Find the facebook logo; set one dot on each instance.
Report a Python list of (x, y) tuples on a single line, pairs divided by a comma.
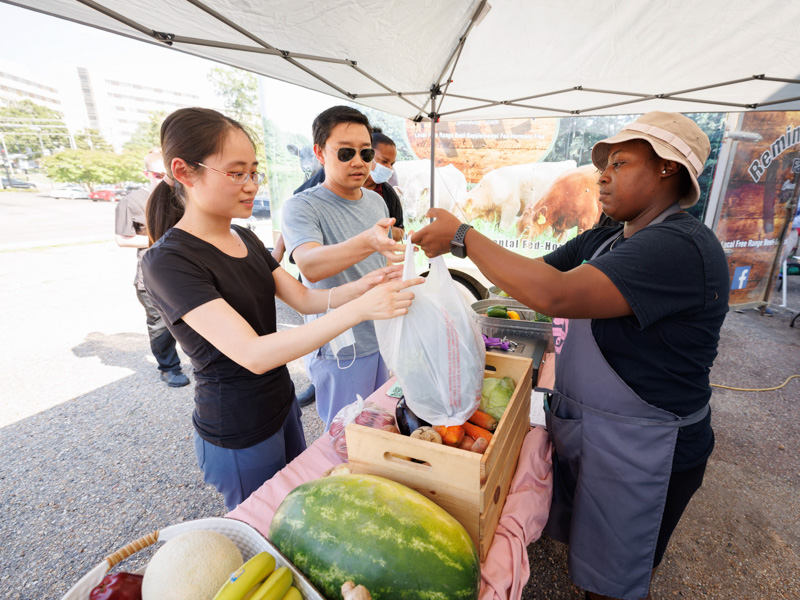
[(739, 279)]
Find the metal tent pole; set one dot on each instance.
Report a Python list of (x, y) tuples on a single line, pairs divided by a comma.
[(435, 91)]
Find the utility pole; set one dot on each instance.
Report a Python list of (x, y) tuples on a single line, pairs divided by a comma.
[(5, 157)]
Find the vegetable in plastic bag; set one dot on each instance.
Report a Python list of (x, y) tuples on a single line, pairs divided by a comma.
[(496, 395), (436, 349), (369, 415)]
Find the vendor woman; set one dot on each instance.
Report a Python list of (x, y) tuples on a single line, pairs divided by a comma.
[(639, 309)]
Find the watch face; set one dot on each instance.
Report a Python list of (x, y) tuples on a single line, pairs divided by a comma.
[(457, 250)]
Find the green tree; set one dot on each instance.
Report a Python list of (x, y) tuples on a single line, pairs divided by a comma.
[(90, 168), (24, 123), (238, 90), (98, 142), (147, 134)]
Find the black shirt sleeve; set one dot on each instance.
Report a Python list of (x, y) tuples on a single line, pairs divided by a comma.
[(393, 204)]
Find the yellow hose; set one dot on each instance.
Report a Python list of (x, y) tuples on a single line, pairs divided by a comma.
[(725, 387)]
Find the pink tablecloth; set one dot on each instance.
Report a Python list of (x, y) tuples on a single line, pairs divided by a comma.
[(506, 569)]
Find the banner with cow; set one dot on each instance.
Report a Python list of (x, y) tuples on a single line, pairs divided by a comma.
[(530, 186)]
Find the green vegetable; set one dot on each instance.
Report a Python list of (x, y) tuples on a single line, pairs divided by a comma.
[(540, 318), (496, 395), (497, 312)]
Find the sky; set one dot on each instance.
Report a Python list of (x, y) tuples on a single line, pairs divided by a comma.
[(50, 49)]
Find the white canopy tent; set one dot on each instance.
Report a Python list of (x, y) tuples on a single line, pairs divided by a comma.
[(473, 59)]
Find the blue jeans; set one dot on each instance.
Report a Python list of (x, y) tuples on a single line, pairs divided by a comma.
[(335, 388), (238, 473)]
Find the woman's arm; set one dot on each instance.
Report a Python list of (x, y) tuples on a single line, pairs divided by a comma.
[(227, 330), (308, 301)]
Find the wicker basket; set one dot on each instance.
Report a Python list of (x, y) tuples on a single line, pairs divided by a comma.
[(249, 541)]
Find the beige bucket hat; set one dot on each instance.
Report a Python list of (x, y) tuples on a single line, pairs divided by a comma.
[(672, 136)]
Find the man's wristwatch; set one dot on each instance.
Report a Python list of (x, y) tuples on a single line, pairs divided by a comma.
[(457, 247)]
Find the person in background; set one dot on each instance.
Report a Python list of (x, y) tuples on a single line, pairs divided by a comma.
[(637, 314), (215, 285), (336, 232), (131, 232), (381, 171)]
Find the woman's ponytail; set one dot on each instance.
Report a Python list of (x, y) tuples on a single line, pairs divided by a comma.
[(164, 209)]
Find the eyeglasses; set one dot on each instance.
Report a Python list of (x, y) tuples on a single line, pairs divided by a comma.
[(239, 178), (346, 154), (155, 174)]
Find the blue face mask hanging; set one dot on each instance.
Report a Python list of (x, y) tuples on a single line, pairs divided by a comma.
[(380, 174)]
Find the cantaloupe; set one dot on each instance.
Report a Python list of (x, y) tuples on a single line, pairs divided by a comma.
[(191, 566)]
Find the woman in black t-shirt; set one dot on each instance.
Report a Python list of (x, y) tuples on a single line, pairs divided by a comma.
[(637, 313), (216, 284)]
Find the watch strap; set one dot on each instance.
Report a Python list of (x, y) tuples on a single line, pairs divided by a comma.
[(458, 240)]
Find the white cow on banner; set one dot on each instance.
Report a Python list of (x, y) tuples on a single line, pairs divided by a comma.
[(505, 193), (413, 183)]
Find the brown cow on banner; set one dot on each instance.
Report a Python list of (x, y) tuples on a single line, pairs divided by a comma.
[(572, 200)]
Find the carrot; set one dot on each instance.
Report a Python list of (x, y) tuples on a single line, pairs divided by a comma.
[(452, 435), (482, 419), (477, 432)]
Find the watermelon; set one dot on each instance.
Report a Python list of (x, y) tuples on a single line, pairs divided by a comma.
[(377, 533)]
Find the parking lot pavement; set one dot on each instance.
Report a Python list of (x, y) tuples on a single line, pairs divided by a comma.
[(34, 219)]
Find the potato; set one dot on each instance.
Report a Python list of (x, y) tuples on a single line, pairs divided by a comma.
[(428, 434)]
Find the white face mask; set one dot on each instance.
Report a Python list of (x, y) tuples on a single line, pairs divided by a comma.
[(380, 174), (341, 341)]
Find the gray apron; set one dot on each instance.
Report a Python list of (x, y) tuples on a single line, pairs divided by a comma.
[(612, 460)]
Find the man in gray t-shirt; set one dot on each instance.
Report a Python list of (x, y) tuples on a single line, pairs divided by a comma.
[(338, 232)]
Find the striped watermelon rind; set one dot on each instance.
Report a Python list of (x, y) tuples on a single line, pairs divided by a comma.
[(377, 533)]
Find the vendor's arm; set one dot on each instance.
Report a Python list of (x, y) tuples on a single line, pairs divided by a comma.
[(227, 330), (317, 261), (582, 292)]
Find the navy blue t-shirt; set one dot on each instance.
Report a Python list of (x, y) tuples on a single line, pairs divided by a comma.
[(675, 278), (234, 407)]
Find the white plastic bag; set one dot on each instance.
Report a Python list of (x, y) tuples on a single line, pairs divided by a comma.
[(436, 350)]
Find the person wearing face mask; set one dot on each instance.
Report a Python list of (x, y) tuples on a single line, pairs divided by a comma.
[(131, 232), (336, 232), (382, 171)]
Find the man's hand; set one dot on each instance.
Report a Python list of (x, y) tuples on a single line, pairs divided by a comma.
[(435, 238), (379, 238)]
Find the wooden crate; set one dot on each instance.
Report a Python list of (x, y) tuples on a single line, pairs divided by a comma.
[(471, 487)]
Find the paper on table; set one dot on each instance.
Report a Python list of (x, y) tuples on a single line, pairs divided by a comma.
[(537, 408)]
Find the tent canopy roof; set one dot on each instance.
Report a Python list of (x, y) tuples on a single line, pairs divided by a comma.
[(497, 59)]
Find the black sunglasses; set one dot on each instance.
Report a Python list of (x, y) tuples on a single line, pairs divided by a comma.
[(346, 154)]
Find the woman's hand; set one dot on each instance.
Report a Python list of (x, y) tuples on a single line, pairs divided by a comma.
[(387, 300), (354, 289), (435, 238)]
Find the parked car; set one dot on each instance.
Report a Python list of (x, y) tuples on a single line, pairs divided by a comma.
[(70, 191), (261, 209), (18, 183), (106, 194)]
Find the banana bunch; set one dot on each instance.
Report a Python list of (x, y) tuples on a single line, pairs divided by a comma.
[(258, 579)]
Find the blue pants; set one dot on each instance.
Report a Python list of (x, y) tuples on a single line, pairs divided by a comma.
[(336, 388), (238, 473)]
